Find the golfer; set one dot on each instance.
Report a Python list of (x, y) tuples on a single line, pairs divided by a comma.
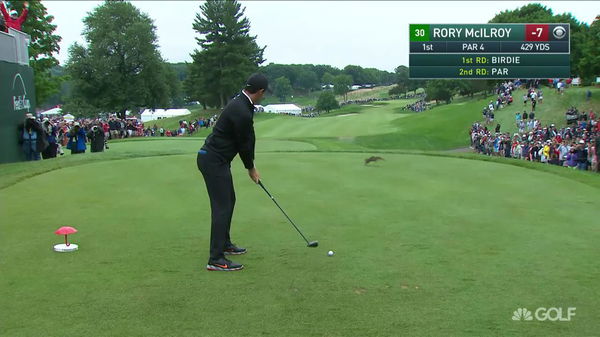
[(232, 134)]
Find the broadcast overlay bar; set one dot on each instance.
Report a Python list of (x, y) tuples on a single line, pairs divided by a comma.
[(489, 51)]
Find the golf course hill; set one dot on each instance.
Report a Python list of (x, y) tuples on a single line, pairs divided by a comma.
[(432, 240)]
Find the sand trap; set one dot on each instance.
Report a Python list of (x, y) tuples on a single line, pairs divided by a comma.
[(344, 115)]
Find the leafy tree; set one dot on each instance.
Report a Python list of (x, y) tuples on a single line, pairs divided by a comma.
[(374, 76), (321, 69), (327, 78), (327, 101), (282, 88), (402, 78), (395, 91), (307, 80), (228, 53), (121, 67), (174, 86), (180, 69), (536, 13), (43, 45), (441, 90), (306, 77), (273, 71), (357, 73), (590, 62), (341, 85), (404, 82), (465, 87)]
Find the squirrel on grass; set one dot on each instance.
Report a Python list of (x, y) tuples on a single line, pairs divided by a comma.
[(373, 158)]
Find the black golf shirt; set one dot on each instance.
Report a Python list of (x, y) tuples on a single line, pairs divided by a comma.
[(234, 132)]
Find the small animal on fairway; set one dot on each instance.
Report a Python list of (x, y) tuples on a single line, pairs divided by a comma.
[(373, 158)]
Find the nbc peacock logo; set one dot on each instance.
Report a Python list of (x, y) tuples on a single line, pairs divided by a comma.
[(522, 314)]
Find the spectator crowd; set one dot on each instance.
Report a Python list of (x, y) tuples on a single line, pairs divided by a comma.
[(575, 145), (418, 106), (49, 137)]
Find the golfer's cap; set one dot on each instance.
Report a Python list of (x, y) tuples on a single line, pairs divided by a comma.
[(258, 81), (581, 142), (30, 116), (13, 13), (76, 124), (45, 119)]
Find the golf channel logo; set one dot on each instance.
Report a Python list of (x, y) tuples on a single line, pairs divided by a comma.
[(20, 102), (544, 314)]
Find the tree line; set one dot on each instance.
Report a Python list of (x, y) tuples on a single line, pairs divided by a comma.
[(120, 68)]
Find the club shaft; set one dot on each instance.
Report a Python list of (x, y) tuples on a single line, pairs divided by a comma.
[(282, 211)]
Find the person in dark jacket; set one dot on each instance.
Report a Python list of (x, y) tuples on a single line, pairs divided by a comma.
[(96, 137), (582, 156), (232, 134), (32, 138), (51, 132), (77, 139)]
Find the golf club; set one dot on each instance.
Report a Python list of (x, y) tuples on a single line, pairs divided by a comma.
[(308, 243)]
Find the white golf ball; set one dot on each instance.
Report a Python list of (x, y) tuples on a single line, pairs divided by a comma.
[(330, 253)]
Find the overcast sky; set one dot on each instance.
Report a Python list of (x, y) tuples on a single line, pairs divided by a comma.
[(365, 33)]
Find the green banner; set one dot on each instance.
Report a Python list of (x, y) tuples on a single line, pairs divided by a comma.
[(17, 97)]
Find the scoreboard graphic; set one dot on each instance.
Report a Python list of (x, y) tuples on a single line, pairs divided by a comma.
[(489, 51)]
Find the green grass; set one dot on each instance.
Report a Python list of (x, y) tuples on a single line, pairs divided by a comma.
[(552, 110), (427, 242), (413, 258), (349, 121)]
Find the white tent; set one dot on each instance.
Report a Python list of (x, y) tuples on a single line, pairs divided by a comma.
[(291, 109), (68, 117), (151, 115), (53, 111)]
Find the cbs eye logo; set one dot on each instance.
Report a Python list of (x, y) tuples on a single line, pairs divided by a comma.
[(559, 32)]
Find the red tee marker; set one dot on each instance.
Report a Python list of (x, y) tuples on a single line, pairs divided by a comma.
[(65, 230)]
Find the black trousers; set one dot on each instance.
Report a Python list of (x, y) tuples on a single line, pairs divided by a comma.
[(50, 151), (219, 185)]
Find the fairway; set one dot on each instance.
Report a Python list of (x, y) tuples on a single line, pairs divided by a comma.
[(356, 121), (424, 246)]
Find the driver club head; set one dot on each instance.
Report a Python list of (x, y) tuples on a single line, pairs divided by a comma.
[(313, 244)]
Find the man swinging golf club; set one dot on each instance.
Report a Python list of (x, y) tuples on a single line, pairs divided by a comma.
[(232, 134)]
